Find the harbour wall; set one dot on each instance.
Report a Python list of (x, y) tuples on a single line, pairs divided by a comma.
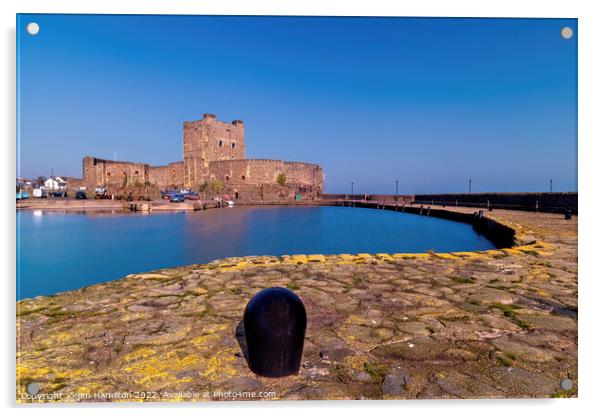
[(554, 202), (499, 234)]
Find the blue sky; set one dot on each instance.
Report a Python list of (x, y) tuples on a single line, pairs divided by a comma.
[(427, 101)]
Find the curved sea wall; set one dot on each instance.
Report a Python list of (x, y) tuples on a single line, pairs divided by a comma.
[(503, 236)]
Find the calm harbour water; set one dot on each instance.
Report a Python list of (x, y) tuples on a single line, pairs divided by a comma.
[(58, 251)]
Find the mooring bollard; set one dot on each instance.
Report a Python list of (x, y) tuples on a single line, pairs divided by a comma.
[(568, 214), (274, 323)]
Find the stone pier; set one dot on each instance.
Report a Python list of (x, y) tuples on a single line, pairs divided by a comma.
[(491, 324)]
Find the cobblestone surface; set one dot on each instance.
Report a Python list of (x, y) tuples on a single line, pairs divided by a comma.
[(493, 324)]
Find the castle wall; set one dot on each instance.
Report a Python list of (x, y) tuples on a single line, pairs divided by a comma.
[(256, 179), (209, 140), (102, 172), (169, 176)]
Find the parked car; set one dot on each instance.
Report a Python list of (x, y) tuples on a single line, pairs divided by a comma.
[(177, 198), (80, 195), (100, 193), (60, 194), (167, 194)]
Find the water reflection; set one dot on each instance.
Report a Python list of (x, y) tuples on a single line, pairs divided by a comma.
[(63, 250)]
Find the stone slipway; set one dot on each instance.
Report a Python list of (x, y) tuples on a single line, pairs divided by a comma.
[(493, 324)]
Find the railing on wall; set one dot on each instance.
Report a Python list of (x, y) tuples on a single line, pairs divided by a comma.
[(553, 202)]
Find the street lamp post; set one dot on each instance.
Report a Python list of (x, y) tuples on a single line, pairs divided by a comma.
[(396, 189), (351, 190), (551, 185), (469, 185)]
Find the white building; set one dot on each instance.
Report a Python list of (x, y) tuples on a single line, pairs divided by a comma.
[(55, 183)]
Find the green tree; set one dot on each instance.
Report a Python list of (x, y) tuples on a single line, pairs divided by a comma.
[(216, 186), (202, 187), (281, 179)]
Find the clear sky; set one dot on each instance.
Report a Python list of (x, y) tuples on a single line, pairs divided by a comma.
[(428, 102)]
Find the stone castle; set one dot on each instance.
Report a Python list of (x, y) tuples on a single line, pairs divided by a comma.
[(213, 152)]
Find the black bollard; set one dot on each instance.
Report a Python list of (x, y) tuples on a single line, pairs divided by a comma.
[(274, 323), (568, 214)]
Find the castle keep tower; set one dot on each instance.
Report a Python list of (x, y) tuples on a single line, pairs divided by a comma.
[(209, 140)]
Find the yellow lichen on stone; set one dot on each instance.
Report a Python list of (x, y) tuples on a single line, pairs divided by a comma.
[(318, 258), (513, 251), (153, 276), (299, 258), (28, 373), (89, 388), (138, 354), (213, 328), (404, 256), (219, 365), (467, 254), (76, 374), (446, 256), (345, 259), (161, 370), (57, 339), (233, 266)]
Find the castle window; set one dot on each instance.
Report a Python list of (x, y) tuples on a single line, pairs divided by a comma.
[(108, 173), (233, 145), (227, 178), (221, 143), (136, 172), (243, 177)]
